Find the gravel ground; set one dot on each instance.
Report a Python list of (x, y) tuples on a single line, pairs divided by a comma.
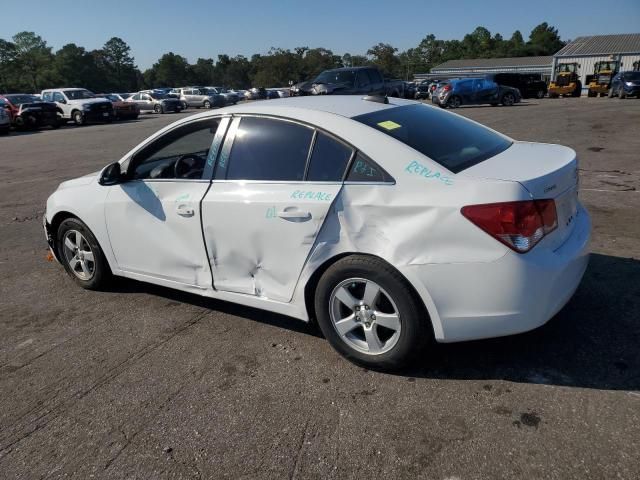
[(144, 382)]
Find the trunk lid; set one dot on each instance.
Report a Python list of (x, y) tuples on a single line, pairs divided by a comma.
[(545, 171)]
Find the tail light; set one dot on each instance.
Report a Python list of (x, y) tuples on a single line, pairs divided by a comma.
[(519, 225), (446, 88)]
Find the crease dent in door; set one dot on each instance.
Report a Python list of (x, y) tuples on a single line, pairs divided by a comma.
[(260, 270)]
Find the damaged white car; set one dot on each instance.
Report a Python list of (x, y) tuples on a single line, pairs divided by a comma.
[(391, 223)]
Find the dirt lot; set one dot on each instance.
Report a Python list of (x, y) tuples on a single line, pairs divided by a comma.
[(144, 382)]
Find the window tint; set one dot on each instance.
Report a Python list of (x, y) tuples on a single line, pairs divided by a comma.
[(375, 76), (268, 149), (181, 153), (58, 97), (450, 140), (328, 160), (47, 96), (364, 169), (363, 78)]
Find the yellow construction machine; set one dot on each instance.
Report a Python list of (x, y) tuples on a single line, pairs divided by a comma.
[(566, 81)]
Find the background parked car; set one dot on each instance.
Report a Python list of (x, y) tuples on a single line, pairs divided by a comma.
[(79, 105), (5, 119), (422, 91), (28, 111), (625, 84), (355, 81), (272, 93), (156, 101), (474, 91), (199, 97), (122, 110), (529, 85), (231, 98), (256, 93)]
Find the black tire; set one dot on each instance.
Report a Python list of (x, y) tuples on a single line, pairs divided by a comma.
[(101, 273), (508, 99), (158, 109), (415, 327), (4, 131), (591, 93), (540, 94), (78, 118), (622, 94), (610, 93), (206, 104), (578, 90), (55, 125), (454, 102)]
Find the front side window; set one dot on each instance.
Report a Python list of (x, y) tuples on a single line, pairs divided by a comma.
[(78, 94), (47, 96), (363, 78), (450, 140), (179, 154), (269, 150), (58, 97), (329, 159)]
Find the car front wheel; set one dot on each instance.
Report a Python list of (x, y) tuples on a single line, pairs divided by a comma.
[(508, 99), (81, 255), (369, 313), (78, 118)]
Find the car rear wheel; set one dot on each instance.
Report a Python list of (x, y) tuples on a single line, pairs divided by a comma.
[(369, 314), (157, 108), (81, 255), (78, 118), (540, 94), (206, 104), (454, 102), (508, 99)]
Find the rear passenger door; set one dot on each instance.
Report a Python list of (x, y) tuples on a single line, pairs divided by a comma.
[(274, 183)]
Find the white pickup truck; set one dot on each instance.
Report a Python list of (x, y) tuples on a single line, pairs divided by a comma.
[(79, 105)]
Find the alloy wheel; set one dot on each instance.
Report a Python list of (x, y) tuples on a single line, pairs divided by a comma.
[(364, 316), (78, 254)]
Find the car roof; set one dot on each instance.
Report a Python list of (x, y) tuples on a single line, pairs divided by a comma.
[(344, 105)]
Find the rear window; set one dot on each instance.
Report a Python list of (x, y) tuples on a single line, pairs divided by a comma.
[(450, 140)]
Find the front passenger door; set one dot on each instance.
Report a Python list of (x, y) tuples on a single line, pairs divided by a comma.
[(153, 217)]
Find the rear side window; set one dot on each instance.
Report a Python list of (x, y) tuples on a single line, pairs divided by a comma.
[(329, 160), (267, 149), (450, 140), (364, 169)]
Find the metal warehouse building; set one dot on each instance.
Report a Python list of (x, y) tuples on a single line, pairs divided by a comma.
[(588, 50), (481, 66)]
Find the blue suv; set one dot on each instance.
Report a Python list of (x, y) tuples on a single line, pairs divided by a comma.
[(625, 84), (474, 91)]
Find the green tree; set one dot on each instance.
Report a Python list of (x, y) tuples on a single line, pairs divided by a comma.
[(170, 70), (120, 64), (384, 57), (33, 59), (517, 45), (544, 40), (8, 55), (73, 66)]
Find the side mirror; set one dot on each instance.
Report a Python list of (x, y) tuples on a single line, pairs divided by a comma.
[(111, 175), (62, 100)]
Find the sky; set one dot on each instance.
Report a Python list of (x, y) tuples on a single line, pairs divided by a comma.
[(199, 28)]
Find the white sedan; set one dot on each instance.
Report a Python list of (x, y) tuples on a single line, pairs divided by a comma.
[(390, 222)]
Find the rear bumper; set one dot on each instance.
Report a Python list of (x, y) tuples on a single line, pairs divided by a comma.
[(513, 294)]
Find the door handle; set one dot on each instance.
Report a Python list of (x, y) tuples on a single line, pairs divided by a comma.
[(185, 211), (288, 214)]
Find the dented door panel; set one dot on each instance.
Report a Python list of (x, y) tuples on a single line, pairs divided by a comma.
[(258, 235)]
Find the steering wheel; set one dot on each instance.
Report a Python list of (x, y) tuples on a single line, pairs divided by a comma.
[(188, 166)]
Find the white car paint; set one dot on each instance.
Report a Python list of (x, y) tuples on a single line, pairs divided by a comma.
[(472, 285), (69, 105)]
